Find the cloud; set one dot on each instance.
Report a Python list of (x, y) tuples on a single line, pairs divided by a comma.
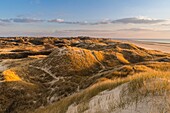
[(57, 20), (5, 20), (138, 20), (122, 33), (165, 24), (78, 23), (105, 21), (21, 20), (67, 22), (132, 20), (26, 20), (143, 30), (136, 29), (84, 31)]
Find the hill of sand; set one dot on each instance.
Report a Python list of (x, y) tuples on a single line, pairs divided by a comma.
[(81, 74)]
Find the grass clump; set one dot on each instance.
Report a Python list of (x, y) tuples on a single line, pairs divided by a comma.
[(10, 75), (121, 58)]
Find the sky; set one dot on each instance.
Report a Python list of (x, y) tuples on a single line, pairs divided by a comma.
[(96, 18)]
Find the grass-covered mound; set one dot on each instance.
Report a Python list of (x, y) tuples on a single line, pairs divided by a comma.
[(146, 86), (77, 72)]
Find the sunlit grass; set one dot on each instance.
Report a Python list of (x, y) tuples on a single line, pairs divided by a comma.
[(10, 75), (121, 58), (137, 83)]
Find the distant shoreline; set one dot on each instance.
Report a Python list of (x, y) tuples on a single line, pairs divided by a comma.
[(161, 41), (150, 44), (160, 46)]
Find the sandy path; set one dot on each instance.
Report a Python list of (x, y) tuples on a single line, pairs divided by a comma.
[(2, 66)]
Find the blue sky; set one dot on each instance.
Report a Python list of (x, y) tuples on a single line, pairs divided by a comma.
[(105, 18)]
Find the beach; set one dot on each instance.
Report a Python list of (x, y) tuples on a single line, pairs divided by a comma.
[(164, 47)]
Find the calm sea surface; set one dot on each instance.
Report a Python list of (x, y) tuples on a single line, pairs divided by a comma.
[(156, 40)]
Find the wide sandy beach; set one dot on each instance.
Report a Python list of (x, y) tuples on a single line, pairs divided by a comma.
[(165, 47)]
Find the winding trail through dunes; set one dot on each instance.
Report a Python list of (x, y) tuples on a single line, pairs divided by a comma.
[(2, 66), (82, 75), (45, 70)]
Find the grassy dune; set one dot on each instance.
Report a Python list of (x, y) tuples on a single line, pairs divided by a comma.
[(138, 83), (78, 72)]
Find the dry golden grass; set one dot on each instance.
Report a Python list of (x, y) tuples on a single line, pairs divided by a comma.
[(141, 68), (33, 48), (159, 66), (121, 58), (10, 75), (37, 56), (137, 82), (78, 64)]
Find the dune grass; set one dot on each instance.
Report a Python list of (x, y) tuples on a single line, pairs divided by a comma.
[(121, 58), (137, 81), (10, 75), (153, 87)]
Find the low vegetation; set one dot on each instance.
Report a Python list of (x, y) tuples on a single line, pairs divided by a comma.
[(139, 85), (10, 75), (55, 73), (121, 58)]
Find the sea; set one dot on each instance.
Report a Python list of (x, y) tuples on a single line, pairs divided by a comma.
[(167, 41)]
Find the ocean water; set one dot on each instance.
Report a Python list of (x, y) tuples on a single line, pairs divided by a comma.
[(156, 40)]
